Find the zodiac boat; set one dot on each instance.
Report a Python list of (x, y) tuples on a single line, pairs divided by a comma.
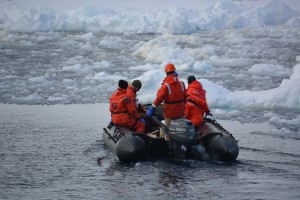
[(207, 141)]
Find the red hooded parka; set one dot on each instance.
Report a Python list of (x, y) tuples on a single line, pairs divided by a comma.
[(196, 104)]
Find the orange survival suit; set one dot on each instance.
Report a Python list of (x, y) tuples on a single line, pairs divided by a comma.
[(196, 104), (123, 111), (172, 93)]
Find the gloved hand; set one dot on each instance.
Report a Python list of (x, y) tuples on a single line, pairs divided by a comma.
[(208, 115), (143, 120), (150, 111)]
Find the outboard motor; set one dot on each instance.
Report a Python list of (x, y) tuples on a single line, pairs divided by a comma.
[(182, 138)]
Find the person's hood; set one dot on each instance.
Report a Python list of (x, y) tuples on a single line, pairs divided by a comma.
[(195, 85)]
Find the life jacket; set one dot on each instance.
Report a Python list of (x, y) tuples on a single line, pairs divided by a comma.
[(174, 97), (172, 94), (116, 105), (124, 112)]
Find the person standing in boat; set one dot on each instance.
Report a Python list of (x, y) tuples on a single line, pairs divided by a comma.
[(196, 104), (172, 94), (123, 109)]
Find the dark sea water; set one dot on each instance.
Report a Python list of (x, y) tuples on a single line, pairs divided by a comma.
[(56, 152)]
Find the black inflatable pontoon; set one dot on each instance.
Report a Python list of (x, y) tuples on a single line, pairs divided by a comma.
[(209, 140)]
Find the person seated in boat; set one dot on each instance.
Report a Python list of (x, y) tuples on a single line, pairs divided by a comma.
[(123, 109), (132, 89), (196, 105), (172, 94)]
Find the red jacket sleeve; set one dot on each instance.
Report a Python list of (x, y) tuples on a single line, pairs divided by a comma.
[(161, 95)]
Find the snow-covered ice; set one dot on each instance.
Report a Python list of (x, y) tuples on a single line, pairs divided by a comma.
[(247, 57)]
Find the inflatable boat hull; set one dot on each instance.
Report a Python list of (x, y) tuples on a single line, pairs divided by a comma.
[(126, 145), (217, 143)]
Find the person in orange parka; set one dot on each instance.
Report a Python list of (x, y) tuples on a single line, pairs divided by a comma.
[(172, 95), (132, 89), (123, 109), (196, 104)]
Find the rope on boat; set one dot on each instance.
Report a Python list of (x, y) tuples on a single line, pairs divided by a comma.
[(220, 127)]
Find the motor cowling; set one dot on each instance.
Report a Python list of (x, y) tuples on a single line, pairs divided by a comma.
[(182, 130), (182, 138)]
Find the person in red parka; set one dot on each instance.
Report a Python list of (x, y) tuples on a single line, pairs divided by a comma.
[(196, 104), (172, 95), (132, 89), (123, 109)]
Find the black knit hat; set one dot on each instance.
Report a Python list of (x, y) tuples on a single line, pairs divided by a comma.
[(123, 84), (137, 84), (190, 79)]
